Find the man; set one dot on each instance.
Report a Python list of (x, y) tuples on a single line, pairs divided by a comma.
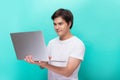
[(66, 51)]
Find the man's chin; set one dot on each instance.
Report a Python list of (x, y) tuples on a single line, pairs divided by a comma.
[(59, 34)]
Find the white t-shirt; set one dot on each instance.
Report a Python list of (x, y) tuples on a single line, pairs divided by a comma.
[(60, 51)]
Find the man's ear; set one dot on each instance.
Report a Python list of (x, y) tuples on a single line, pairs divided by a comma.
[(69, 24)]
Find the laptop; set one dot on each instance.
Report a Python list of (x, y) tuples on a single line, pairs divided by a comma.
[(30, 43)]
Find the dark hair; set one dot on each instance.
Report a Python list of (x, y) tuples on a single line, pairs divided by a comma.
[(65, 14)]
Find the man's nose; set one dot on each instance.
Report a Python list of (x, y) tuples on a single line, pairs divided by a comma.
[(57, 27)]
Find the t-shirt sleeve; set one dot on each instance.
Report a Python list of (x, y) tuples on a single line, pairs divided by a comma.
[(78, 51)]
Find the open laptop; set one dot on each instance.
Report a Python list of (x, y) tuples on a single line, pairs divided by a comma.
[(30, 43)]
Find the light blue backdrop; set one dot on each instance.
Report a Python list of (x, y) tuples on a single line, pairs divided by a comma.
[(96, 23)]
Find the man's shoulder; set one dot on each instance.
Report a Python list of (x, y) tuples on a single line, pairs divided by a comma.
[(78, 41)]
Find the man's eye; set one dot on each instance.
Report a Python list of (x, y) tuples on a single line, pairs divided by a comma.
[(60, 23), (54, 24)]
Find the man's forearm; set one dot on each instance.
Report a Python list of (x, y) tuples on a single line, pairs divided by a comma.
[(60, 70)]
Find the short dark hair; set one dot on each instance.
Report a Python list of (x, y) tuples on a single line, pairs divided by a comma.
[(65, 14)]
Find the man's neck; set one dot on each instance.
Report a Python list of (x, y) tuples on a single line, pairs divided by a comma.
[(66, 36)]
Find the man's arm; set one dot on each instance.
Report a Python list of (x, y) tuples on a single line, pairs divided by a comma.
[(65, 71)]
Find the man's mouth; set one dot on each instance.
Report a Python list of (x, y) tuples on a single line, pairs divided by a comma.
[(58, 31)]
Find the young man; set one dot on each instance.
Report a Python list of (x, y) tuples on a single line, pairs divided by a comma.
[(66, 51)]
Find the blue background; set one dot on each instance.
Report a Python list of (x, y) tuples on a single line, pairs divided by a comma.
[(96, 23)]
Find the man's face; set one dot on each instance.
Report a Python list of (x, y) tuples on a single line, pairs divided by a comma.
[(61, 26)]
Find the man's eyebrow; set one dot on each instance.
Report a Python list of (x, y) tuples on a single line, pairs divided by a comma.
[(57, 22)]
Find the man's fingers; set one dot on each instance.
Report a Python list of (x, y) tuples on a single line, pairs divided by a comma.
[(29, 59)]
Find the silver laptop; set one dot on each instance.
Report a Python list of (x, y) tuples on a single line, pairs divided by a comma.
[(30, 43)]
